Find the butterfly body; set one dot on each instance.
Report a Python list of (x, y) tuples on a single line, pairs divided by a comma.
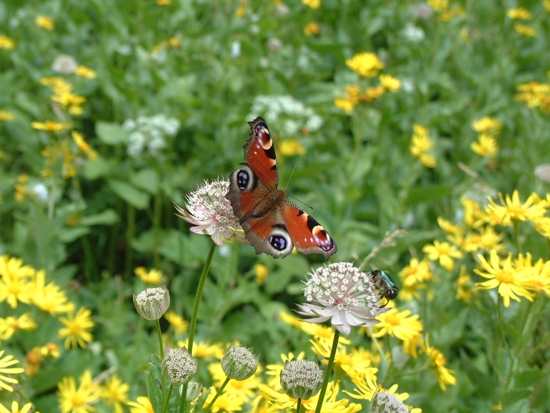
[(271, 224)]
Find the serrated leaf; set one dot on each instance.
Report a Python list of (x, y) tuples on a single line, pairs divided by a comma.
[(153, 381), (129, 193), (110, 133)]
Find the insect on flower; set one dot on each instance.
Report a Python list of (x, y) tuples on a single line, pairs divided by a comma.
[(385, 285)]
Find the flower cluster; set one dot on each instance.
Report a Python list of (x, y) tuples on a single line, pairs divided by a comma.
[(534, 95), (151, 133), (487, 128), (422, 146)]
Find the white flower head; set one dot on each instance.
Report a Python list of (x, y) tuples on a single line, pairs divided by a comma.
[(65, 64), (152, 303), (211, 213), (343, 294), (178, 366), (385, 402)]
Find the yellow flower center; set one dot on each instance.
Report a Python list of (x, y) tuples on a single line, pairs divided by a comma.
[(77, 400), (393, 320), (506, 277)]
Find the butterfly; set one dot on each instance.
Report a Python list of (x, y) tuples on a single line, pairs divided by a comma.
[(271, 224)]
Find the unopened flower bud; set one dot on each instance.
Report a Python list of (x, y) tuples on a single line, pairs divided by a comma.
[(178, 366), (239, 363), (193, 390), (384, 402), (152, 303), (301, 379)]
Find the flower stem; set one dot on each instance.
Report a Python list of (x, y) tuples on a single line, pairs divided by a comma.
[(328, 371), (194, 316), (164, 409), (198, 296), (298, 405), (217, 395), (161, 352)]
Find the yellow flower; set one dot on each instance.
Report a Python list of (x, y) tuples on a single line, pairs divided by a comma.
[(487, 239), (6, 116), (50, 298), (438, 5), (154, 276), (366, 64), (6, 43), (547, 5), (443, 375), (241, 10), (206, 351), (115, 393), (77, 328), (412, 277), (78, 400), (312, 28), (15, 281), (509, 281), (314, 4), (44, 22), (344, 104), (485, 146), (444, 252), (174, 41), (10, 324), (291, 147), (86, 72), (50, 126), (5, 368), (143, 405), (83, 145), (513, 210), (525, 30), (15, 408), (237, 389), (176, 321), (33, 361), (519, 13), (421, 145), (448, 227), (487, 126), (539, 278), (50, 350), (390, 83), (400, 324), (372, 93), (164, 2), (261, 273)]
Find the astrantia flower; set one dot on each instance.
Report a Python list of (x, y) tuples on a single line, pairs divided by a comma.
[(344, 294), (384, 402), (239, 362), (211, 213), (301, 379), (152, 303), (178, 366)]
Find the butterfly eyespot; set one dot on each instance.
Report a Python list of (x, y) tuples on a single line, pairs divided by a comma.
[(243, 178), (278, 242)]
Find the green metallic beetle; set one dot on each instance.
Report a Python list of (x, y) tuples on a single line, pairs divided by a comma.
[(385, 284)]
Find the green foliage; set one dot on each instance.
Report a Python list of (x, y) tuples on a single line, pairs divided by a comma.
[(89, 215)]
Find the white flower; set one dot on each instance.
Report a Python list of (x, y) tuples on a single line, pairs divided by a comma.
[(178, 366), (211, 213), (413, 33), (149, 132), (344, 294), (64, 64), (152, 303), (235, 49)]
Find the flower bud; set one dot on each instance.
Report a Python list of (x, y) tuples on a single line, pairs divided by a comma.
[(152, 303), (178, 366), (384, 402), (193, 390), (239, 363), (301, 379)]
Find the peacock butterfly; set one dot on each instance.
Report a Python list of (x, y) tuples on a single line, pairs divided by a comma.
[(271, 224)]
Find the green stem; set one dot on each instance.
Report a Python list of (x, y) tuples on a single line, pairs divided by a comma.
[(164, 409), (194, 316), (328, 371), (157, 214), (298, 405), (129, 235), (198, 296), (161, 352), (217, 394)]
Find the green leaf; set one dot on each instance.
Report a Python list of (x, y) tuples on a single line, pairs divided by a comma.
[(146, 179), (98, 168), (427, 193), (153, 381), (107, 217), (71, 234), (110, 133), (129, 193)]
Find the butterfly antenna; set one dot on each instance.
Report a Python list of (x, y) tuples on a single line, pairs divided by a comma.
[(290, 196)]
